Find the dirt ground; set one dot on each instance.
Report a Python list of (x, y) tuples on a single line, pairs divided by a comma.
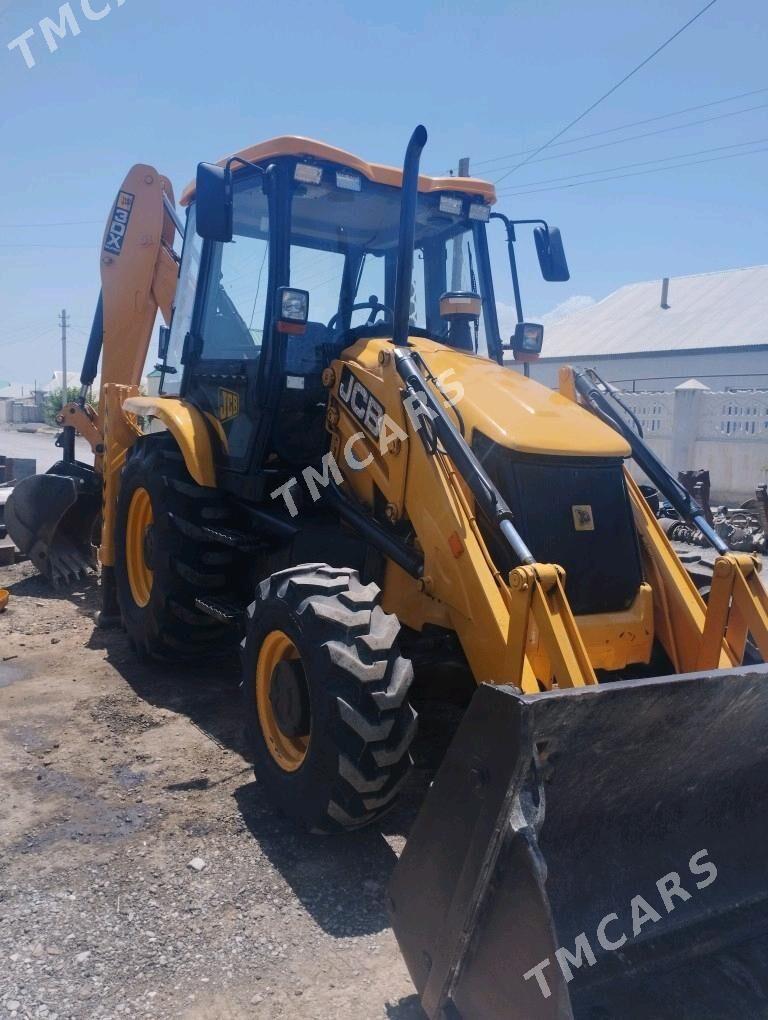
[(115, 776)]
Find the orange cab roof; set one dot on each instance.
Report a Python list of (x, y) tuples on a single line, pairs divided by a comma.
[(293, 145)]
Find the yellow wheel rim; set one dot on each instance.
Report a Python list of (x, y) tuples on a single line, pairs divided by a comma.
[(140, 520), (288, 752)]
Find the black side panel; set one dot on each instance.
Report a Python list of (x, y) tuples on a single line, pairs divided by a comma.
[(574, 512)]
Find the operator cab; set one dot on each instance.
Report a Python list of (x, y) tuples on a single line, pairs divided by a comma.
[(299, 216)]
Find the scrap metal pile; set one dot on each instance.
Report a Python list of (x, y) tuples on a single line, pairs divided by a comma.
[(744, 528)]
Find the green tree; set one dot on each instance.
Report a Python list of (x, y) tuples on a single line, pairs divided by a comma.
[(52, 403)]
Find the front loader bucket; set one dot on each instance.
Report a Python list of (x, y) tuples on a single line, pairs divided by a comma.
[(51, 518), (619, 832)]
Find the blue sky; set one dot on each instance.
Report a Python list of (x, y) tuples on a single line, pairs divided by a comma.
[(175, 82)]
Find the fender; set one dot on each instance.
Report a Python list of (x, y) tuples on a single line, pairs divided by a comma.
[(188, 427)]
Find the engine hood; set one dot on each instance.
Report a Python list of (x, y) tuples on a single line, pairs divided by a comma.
[(516, 412)]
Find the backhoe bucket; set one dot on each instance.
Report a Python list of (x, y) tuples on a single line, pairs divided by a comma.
[(52, 517), (595, 853)]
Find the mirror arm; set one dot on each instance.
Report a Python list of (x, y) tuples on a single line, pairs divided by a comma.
[(228, 172), (510, 228), (243, 162)]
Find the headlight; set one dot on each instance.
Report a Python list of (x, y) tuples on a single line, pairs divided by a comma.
[(292, 310)]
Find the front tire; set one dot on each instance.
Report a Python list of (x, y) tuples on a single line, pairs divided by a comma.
[(325, 698), (162, 559)]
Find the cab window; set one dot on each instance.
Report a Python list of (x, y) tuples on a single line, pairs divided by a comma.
[(233, 319), (183, 306)]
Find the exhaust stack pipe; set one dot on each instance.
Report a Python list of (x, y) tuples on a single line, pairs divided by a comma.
[(408, 198)]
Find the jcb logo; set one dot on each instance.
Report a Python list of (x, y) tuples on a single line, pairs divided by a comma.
[(361, 402), (583, 519), (229, 405)]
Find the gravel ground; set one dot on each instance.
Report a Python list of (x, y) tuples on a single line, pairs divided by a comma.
[(115, 777)]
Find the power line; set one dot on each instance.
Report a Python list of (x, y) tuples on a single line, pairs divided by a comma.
[(18, 327), (623, 127), (612, 89), (626, 166), (644, 134), (63, 223), (28, 327), (28, 340), (67, 246), (640, 173)]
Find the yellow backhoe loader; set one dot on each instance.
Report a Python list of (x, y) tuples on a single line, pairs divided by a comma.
[(340, 472)]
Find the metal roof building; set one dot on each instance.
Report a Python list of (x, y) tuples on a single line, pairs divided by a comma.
[(655, 335)]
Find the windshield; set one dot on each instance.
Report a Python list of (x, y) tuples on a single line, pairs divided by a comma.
[(343, 251), (344, 238)]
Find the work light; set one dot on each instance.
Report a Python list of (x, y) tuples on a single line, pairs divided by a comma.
[(348, 181), (292, 310), (479, 211), (451, 204), (307, 173), (528, 338)]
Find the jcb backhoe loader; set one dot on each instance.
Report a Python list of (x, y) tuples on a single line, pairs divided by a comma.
[(342, 469)]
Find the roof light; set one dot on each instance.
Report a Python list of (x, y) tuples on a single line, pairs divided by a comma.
[(479, 211), (306, 173), (348, 181), (451, 204)]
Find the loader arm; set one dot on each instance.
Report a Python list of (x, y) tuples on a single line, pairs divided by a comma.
[(515, 627), (695, 635), (533, 594)]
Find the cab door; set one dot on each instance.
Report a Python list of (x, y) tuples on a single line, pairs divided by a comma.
[(223, 350)]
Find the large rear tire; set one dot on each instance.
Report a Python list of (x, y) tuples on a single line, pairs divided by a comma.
[(325, 698), (162, 560)]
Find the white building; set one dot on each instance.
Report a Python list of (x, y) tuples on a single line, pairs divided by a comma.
[(656, 335), (19, 403), (54, 385)]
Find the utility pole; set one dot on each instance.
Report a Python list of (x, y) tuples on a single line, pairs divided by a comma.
[(458, 254), (63, 323)]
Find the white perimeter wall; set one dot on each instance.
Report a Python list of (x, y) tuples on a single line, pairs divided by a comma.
[(725, 433), (719, 370)]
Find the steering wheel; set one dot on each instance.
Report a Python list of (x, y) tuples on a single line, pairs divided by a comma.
[(372, 303)]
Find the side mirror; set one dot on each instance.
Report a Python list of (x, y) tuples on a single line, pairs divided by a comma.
[(214, 202), (549, 248), (163, 339), (527, 340)]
